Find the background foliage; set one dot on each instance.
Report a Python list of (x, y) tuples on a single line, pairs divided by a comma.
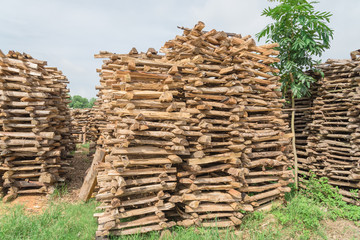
[(302, 33), (81, 102)]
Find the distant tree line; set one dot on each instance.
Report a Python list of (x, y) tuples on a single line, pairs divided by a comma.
[(78, 101)]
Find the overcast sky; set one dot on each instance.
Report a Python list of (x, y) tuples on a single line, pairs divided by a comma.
[(67, 33)]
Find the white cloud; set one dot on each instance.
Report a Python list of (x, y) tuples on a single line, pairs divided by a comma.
[(68, 33)]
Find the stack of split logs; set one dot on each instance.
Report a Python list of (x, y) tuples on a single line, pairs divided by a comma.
[(84, 127), (333, 146), (205, 115), (238, 147), (302, 121), (144, 139), (34, 125)]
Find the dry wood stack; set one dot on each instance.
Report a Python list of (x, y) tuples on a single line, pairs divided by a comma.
[(144, 139), (303, 119), (84, 125), (63, 120), (210, 101), (35, 125), (79, 122), (98, 120), (333, 146), (238, 148)]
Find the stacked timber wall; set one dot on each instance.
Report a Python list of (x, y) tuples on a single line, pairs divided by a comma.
[(144, 138), (334, 132), (237, 149), (205, 115), (34, 125), (84, 125), (304, 108)]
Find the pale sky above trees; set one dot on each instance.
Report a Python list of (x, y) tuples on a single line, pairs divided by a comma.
[(67, 33)]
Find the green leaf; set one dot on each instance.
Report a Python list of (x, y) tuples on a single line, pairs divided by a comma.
[(302, 33)]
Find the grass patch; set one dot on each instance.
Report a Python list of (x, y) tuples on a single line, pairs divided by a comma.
[(181, 233), (58, 221), (60, 191), (85, 145), (327, 196), (84, 148), (302, 218), (260, 225)]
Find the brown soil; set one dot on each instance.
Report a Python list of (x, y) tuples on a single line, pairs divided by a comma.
[(341, 229), (31, 203), (75, 177), (37, 203)]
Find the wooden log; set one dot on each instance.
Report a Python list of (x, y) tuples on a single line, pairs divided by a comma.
[(90, 179)]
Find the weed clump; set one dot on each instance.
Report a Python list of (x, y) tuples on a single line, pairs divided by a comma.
[(321, 192)]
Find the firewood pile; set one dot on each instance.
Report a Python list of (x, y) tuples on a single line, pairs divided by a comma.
[(84, 126), (237, 159), (333, 145), (303, 119), (144, 138), (205, 115), (98, 120), (35, 125)]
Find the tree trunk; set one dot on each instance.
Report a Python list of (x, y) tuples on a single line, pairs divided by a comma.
[(294, 141)]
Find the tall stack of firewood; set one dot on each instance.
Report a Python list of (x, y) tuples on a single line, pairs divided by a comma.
[(96, 122), (62, 124), (144, 138), (333, 146), (35, 125), (210, 101), (84, 125), (302, 121), (79, 121), (238, 148)]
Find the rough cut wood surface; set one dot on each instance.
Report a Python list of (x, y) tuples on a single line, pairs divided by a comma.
[(145, 143), (238, 147), (90, 179), (85, 125), (35, 131), (193, 136), (333, 141)]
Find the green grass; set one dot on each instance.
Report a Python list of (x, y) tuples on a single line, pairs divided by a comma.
[(85, 145), (180, 233), (328, 197), (84, 148), (301, 218), (58, 221), (60, 191)]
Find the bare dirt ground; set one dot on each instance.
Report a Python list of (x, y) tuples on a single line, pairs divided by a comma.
[(32, 203), (341, 229), (81, 163), (69, 192)]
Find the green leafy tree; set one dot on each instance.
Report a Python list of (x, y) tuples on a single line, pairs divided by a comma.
[(81, 102), (91, 102), (302, 33)]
